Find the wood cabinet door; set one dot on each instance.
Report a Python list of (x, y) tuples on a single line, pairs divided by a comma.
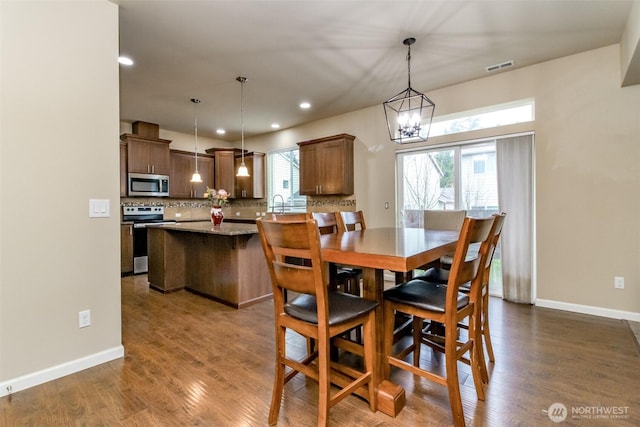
[(148, 156), (138, 156), (252, 186), (309, 170), (326, 166), (182, 167), (334, 168), (205, 167), (126, 248), (159, 158), (224, 170)]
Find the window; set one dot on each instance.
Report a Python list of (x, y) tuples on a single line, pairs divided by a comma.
[(457, 177), (493, 116), (283, 181)]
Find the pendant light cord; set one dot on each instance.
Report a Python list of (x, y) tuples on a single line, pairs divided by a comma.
[(243, 79), (195, 124), (409, 66)]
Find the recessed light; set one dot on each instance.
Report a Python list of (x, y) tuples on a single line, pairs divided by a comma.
[(305, 105), (220, 131), (125, 61), (275, 126)]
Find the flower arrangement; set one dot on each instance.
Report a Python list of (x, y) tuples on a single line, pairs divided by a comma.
[(217, 197)]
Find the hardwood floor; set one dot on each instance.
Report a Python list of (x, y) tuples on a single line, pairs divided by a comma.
[(190, 361)]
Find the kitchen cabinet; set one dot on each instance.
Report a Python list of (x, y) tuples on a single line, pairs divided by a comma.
[(252, 186), (126, 248), (326, 166), (183, 165), (224, 171), (147, 155), (123, 169)]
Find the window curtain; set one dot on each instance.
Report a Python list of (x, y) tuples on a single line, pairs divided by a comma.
[(514, 158)]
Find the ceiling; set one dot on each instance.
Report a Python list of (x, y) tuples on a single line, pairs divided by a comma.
[(340, 56)]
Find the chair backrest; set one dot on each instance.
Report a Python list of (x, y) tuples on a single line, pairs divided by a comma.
[(468, 269), (283, 241), (352, 221), (444, 220), (327, 222), (288, 217), (496, 230)]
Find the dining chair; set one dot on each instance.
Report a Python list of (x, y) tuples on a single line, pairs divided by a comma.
[(347, 279), (352, 220), (443, 220), (441, 276), (316, 313), (446, 305)]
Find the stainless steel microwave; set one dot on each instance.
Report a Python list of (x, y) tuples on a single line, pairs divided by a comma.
[(144, 184)]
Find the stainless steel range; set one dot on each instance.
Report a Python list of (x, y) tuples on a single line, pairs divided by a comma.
[(142, 217)]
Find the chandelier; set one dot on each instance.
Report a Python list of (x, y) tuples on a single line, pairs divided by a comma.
[(410, 112)]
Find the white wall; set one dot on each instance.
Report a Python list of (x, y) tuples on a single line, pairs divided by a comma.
[(57, 151), (587, 171)]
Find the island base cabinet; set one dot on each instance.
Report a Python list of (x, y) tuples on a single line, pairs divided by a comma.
[(228, 269), (166, 260)]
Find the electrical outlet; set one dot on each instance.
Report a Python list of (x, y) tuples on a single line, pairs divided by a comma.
[(618, 282), (84, 318)]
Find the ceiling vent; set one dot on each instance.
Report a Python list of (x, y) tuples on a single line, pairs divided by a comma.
[(498, 67)]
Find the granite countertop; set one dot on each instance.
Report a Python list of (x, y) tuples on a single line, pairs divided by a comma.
[(225, 229)]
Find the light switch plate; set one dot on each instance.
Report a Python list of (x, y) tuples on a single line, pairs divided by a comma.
[(99, 208)]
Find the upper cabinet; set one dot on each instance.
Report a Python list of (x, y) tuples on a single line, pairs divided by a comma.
[(326, 166), (226, 162), (183, 165), (147, 155), (225, 176), (252, 186)]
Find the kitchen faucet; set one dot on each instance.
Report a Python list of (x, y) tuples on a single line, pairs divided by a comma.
[(273, 202)]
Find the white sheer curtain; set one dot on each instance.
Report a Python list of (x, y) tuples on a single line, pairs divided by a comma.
[(514, 158)]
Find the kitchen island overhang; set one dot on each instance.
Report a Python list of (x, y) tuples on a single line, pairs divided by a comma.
[(224, 263)]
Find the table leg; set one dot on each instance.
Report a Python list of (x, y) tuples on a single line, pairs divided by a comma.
[(391, 397)]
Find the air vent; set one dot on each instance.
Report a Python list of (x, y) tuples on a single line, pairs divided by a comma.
[(501, 66)]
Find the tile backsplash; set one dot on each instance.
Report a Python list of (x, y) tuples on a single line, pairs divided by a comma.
[(199, 210)]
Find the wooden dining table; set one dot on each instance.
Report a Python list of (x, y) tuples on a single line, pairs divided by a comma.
[(375, 250)]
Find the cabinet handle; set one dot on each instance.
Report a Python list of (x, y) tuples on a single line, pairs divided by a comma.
[(153, 168)]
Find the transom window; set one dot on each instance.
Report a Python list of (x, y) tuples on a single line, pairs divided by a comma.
[(483, 118)]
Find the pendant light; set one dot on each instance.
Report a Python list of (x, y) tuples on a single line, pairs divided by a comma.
[(196, 175), (242, 170), (410, 112)]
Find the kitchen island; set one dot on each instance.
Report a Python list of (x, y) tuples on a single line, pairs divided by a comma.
[(225, 263)]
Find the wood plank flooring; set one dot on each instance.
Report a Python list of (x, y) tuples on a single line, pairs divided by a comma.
[(190, 361)]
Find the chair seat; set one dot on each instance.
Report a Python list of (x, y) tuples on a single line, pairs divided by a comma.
[(435, 275), (342, 307), (424, 295), (441, 276), (348, 271)]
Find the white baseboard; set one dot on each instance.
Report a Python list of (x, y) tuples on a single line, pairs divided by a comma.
[(587, 309), (40, 377)]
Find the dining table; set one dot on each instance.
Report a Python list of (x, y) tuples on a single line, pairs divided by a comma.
[(374, 250)]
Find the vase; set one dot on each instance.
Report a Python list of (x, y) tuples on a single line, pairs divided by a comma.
[(216, 215)]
